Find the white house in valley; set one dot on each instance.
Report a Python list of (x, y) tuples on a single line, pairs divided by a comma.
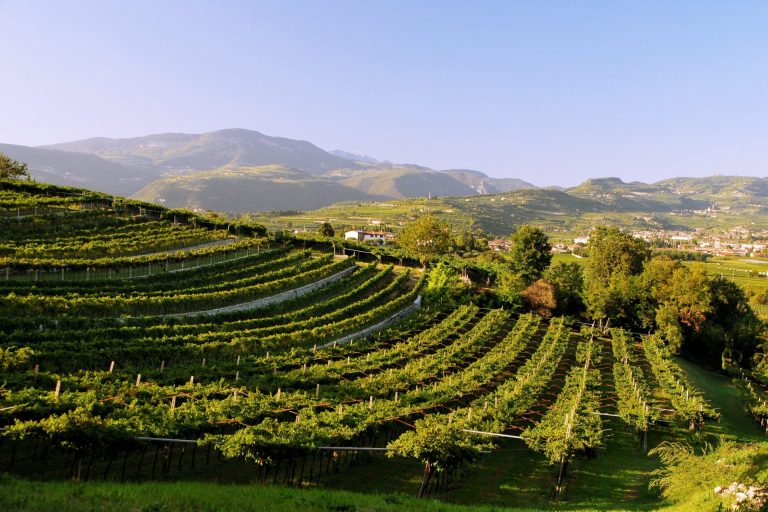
[(376, 237)]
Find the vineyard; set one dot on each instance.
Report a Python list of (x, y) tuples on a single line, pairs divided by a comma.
[(142, 344)]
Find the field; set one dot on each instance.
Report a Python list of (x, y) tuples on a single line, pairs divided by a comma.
[(140, 346), (390, 214)]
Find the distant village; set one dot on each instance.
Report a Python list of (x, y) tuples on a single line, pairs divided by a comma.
[(737, 241)]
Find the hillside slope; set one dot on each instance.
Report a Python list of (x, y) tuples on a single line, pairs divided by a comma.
[(636, 196), (484, 184), (243, 189), (408, 181), (231, 147), (80, 170)]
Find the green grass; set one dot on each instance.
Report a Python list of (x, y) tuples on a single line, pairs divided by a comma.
[(735, 423), (17, 495)]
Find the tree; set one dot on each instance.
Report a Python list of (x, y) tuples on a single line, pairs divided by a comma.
[(611, 250), (426, 238), (466, 242), (705, 317), (568, 280), (731, 333), (530, 254), (10, 169), (509, 287), (656, 274), (617, 302), (612, 288), (326, 230), (540, 297), (441, 280)]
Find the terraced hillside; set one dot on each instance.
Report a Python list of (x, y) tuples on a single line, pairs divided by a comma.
[(139, 346)]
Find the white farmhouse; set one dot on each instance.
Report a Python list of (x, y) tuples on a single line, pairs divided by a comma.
[(376, 237)]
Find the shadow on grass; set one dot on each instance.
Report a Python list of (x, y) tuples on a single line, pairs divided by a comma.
[(735, 422)]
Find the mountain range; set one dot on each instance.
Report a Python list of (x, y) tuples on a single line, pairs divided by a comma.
[(239, 170)]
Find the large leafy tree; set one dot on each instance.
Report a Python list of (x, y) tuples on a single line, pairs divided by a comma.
[(677, 299), (568, 280), (706, 317), (326, 229), (732, 332), (426, 238), (530, 254), (10, 169), (612, 288)]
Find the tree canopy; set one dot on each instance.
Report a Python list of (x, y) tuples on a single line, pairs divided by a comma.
[(426, 238), (611, 286), (530, 254), (10, 169), (568, 280), (326, 229)]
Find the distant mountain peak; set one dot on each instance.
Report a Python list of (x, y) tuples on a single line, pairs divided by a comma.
[(211, 150), (232, 160)]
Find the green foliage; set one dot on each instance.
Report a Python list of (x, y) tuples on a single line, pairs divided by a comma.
[(79, 429), (631, 385), (509, 288), (690, 476), (611, 287), (570, 426), (613, 251), (441, 281), (326, 229), (753, 398), (761, 362), (12, 358), (707, 317), (688, 403), (616, 301), (436, 442), (732, 329), (568, 280), (530, 254), (467, 242), (10, 169), (669, 328), (459, 370), (426, 238)]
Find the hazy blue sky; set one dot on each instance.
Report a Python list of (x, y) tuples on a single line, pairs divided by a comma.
[(551, 92)]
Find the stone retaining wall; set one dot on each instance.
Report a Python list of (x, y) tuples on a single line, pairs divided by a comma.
[(416, 305), (274, 299)]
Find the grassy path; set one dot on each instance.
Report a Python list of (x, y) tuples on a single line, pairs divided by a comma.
[(735, 423), (511, 475)]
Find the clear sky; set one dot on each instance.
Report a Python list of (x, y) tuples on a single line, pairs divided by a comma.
[(550, 92)]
